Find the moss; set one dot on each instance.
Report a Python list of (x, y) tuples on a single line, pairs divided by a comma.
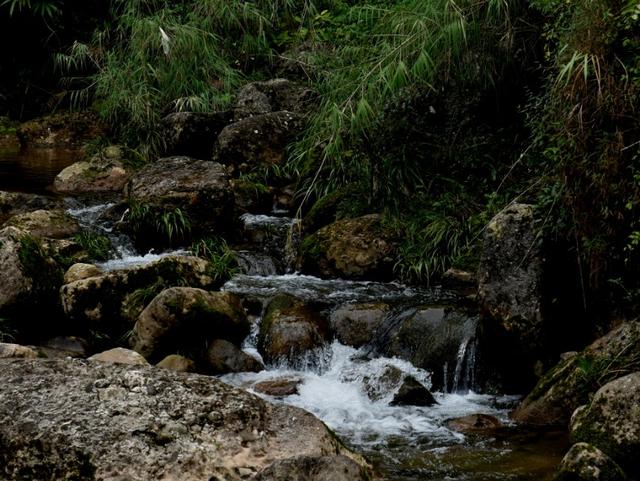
[(38, 266)]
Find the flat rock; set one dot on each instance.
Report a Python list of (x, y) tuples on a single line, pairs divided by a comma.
[(281, 387), (90, 421), (120, 355), (105, 172), (53, 224)]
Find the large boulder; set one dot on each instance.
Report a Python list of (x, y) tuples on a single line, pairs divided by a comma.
[(65, 129), (109, 304), (357, 324), (183, 318), (290, 328), (193, 133), (29, 277), (584, 462), (360, 248), (14, 203), (78, 420), (259, 98), (52, 224), (509, 278), (611, 422), (224, 357), (105, 172), (258, 141), (568, 385), (196, 191)]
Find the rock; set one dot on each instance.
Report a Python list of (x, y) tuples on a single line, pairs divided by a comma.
[(105, 172), (252, 197), (80, 271), (199, 189), (120, 355), (14, 203), (509, 277), (413, 393), (458, 278), (281, 387), (324, 468), (52, 224), (611, 422), (90, 421), (65, 129), (430, 337), (289, 329), (224, 357), (258, 141), (181, 318), (193, 133), (584, 462), (110, 303), (8, 350), (360, 248), (356, 324), (61, 347), (259, 98), (29, 278), (175, 362), (474, 423), (568, 385)]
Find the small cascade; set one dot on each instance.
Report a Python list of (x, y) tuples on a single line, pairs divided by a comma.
[(464, 373), (273, 236), (256, 263)]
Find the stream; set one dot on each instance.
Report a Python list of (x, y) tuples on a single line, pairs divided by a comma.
[(343, 386)]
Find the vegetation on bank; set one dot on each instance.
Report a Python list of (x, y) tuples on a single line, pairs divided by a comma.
[(437, 113)]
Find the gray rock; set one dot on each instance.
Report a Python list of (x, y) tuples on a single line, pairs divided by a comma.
[(61, 347), (224, 357), (63, 129), (120, 355), (412, 393), (584, 462), (281, 387), (258, 141), (80, 271), (52, 224), (91, 421), (14, 203), (509, 277), (193, 133), (474, 423), (178, 363), (181, 318), (9, 350), (259, 98), (611, 422), (104, 172), (356, 324), (323, 468)]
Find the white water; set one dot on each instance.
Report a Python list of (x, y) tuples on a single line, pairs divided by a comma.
[(337, 394)]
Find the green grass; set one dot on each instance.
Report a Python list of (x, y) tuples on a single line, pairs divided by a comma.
[(97, 246), (172, 224), (222, 261)]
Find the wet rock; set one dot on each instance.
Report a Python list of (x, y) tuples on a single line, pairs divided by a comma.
[(193, 133), (360, 248), (509, 277), (199, 189), (14, 203), (584, 462), (356, 324), (568, 384), (252, 197), (120, 355), (289, 329), (90, 421), (224, 357), (29, 278), (457, 278), (413, 393), (102, 304), (474, 423), (80, 271), (180, 318), (105, 172), (321, 468), (65, 129), (281, 387), (8, 350), (258, 141), (175, 362), (259, 98), (611, 422), (52, 224), (62, 347)]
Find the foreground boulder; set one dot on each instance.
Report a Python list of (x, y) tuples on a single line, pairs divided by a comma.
[(194, 195), (611, 422), (193, 133), (51, 224), (258, 141), (569, 384), (109, 303), (259, 98), (289, 329), (65, 129), (91, 421), (360, 248), (584, 462), (105, 172), (357, 324), (180, 318)]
